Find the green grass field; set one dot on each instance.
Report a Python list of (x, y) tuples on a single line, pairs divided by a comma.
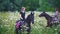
[(8, 19)]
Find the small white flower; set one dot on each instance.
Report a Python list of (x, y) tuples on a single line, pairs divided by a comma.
[(55, 29)]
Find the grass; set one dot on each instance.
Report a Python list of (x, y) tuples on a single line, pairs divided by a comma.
[(8, 19)]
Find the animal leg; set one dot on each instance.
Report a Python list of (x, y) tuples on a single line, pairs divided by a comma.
[(28, 30), (49, 24), (16, 31)]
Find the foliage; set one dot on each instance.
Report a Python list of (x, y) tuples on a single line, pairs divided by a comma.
[(17, 4), (40, 5)]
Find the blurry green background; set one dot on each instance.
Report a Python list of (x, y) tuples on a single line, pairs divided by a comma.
[(40, 5)]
